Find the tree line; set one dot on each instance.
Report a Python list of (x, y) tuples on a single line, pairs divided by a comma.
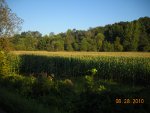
[(122, 36)]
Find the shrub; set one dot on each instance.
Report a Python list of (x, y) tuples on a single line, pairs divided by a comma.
[(15, 103), (4, 64), (42, 86)]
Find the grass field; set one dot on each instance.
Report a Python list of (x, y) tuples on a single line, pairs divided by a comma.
[(68, 54)]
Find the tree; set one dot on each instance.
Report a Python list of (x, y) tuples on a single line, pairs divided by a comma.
[(99, 41), (76, 46), (41, 45), (117, 45), (68, 47), (84, 45), (59, 45), (126, 36), (144, 39), (69, 39), (5, 44), (132, 36), (32, 34), (108, 46), (91, 44), (9, 22)]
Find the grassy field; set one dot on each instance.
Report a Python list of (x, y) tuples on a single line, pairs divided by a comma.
[(68, 54)]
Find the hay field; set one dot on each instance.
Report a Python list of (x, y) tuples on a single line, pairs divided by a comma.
[(67, 54)]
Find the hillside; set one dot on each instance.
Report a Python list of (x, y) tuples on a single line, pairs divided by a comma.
[(121, 36)]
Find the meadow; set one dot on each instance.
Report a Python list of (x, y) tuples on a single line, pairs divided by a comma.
[(114, 54), (75, 82)]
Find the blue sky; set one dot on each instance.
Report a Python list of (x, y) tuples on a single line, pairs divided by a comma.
[(57, 16)]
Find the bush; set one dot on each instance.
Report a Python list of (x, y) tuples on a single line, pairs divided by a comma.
[(19, 83), (4, 64), (42, 86), (11, 102), (66, 95)]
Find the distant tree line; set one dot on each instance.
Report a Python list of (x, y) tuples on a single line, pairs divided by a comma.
[(122, 36)]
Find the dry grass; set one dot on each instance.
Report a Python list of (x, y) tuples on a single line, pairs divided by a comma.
[(67, 54)]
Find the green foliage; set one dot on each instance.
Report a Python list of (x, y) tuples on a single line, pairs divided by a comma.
[(84, 45), (122, 69), (21, 84), (108, 46), (42, 43), (68, 47), (101, 88), (69, 39), (9, 21), (5, 44), (45, 95), (89, 82), (117, 45), (12, 102), (42, 86), (94, 71), (132, 36), (59, 46), (4, 64), (76, 46), (104, 102), (9, 63), (99, 40), (144, 34)]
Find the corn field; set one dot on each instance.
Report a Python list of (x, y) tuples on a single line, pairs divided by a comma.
[(123, 69)]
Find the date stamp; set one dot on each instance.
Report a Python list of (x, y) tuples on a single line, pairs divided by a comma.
[(129, 101)]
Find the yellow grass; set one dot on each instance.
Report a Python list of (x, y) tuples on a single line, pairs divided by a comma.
[(67, 54)]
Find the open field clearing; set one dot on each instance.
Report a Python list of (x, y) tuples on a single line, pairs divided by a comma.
[(67, 54)]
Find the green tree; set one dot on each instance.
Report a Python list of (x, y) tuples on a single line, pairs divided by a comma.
[(132, 36), (41, 45), (143, 42), (76, 46), (5, 44), (107, 46), (9, 22), (91, 44), (117, 45), (84, 45), (144, 39), (99, 41), (32, 34), (59, 45), (69, 39)]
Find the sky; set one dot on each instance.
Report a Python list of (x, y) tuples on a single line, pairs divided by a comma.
[(58, 16)]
